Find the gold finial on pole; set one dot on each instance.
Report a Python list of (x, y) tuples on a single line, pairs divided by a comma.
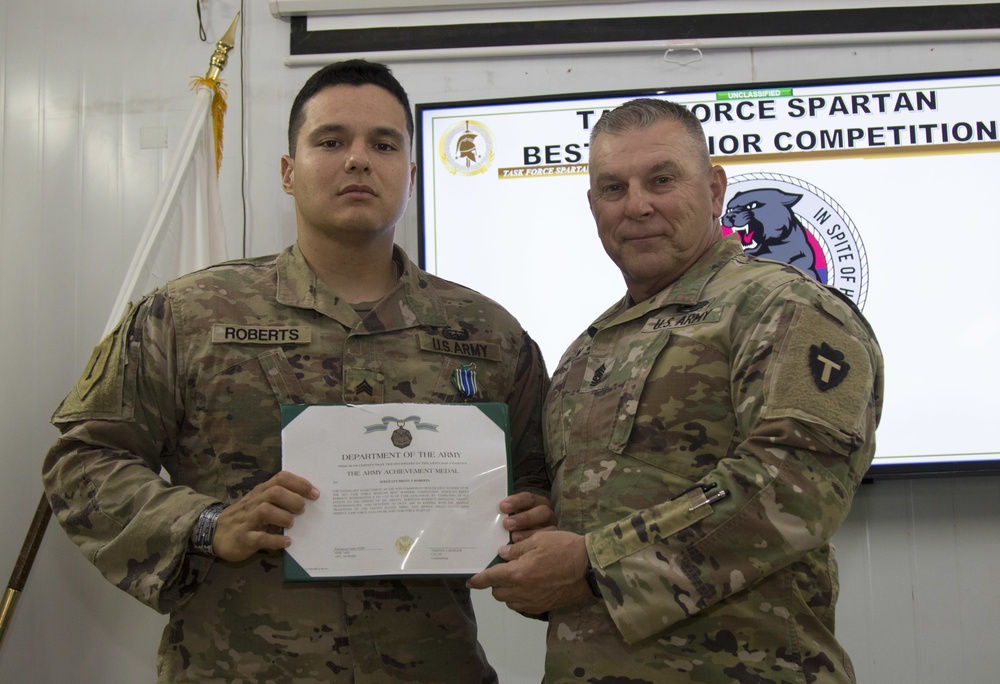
[(218, 88), (222, 48)]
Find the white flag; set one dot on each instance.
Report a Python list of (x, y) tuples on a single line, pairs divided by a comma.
[(185, 230)]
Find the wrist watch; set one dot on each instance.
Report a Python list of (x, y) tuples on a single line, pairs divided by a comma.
[(203, 534), (591, 579)]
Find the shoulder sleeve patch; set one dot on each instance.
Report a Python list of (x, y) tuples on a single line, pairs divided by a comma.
[(823, 373), (101, 390)]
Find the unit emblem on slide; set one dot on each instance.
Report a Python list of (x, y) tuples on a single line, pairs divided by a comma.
[(784, 218), (467, 148)]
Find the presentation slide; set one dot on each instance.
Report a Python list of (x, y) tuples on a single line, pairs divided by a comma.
[(890, 181)]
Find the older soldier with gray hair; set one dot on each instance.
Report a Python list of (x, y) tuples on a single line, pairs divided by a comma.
[(191, 382), (705, 435)]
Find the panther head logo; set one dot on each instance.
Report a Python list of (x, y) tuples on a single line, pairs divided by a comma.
[(766, 225)]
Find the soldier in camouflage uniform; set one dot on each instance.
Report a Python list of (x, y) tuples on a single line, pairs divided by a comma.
[(191, 381), (705, 435)]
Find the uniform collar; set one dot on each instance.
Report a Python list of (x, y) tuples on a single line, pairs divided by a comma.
[(685, 291), (414, 301)]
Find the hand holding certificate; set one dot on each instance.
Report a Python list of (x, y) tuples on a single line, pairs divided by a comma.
[(407, 489)]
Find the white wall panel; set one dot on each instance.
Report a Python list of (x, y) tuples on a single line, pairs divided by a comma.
[(920, 588)]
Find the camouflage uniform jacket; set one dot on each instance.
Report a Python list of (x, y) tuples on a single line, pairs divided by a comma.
[(746, 377), (191, 381)]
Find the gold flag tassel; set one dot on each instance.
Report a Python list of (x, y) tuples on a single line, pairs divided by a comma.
[(218, 87)]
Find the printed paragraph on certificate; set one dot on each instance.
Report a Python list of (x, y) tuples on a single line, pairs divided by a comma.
[(405, 489)]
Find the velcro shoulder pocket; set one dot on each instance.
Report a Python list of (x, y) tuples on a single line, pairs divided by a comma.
[(107, 387), (823, 374)]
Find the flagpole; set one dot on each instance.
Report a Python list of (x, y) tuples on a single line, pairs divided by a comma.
[(174, 177), (23, 566), (36, 531)]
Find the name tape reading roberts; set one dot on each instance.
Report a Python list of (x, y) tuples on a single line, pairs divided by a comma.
[(223, 333)]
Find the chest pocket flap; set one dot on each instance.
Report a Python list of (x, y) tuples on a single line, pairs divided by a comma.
[(625, 370)]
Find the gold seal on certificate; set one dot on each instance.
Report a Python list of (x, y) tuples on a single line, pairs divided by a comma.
[(403, 545), (405, 489)]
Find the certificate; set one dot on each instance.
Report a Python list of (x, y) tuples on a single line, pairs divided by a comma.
[(405, 489)]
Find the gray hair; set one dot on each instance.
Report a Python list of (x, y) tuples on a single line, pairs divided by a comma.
[(646, 111)]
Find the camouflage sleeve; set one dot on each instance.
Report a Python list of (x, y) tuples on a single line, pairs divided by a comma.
[(530, 386), (102, 475), (806, 378)]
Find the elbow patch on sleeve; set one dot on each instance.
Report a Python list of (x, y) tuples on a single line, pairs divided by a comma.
[(823, 374)]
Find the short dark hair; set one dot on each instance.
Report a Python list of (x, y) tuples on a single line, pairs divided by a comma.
[(356, 72), (646, 111)]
